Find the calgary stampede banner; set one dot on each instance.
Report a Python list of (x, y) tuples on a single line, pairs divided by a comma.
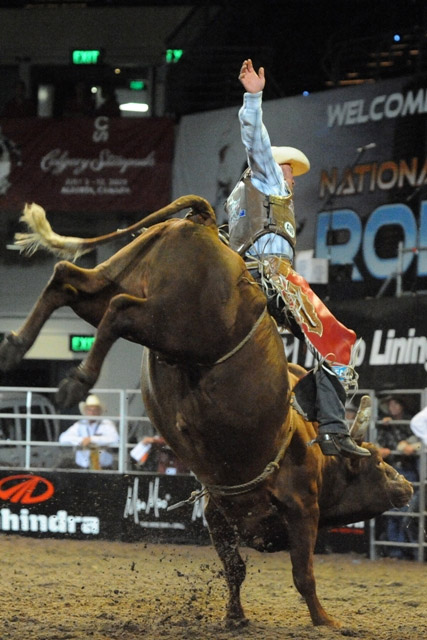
[(85, 164), (366, 189)]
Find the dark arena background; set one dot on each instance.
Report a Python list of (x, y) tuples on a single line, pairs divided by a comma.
[(109, 110)]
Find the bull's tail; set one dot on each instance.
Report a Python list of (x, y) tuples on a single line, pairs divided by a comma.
[(42, 235)]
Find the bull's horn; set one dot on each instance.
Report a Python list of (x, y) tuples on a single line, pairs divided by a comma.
[(362, 419)]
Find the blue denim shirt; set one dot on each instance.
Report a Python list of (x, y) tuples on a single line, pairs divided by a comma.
[(266, 174)]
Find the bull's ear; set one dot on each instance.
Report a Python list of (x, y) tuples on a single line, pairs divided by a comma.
[(361, 421)]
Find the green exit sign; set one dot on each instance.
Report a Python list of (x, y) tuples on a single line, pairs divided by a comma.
[(137, 85), (173, 55), (79, 344), (86, 56)]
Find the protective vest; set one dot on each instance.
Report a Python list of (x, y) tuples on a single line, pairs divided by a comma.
[(252, 214)]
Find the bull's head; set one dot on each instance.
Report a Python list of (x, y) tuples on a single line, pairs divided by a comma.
[(357, 489)]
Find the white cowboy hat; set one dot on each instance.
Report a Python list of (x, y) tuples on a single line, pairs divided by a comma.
[(289, 155), (91, 401)]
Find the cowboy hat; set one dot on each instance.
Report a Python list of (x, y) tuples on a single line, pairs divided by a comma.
[(91, 401), (289, 155)]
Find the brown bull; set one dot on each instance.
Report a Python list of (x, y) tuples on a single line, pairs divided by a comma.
[(215, 384)]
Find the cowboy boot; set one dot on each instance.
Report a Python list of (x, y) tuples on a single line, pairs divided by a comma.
[(333, 434)]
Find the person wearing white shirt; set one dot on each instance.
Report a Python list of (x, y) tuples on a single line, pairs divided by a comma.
[(91, 436), (418, 425)]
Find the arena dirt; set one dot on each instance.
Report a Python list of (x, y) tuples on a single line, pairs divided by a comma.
[(71, 590)]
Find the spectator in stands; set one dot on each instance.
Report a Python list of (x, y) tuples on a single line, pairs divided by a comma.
[(418, 425), (154, 454), (110, 106), (19, 105), (350, 413), (92, 436), (399, 448), (80, 104)]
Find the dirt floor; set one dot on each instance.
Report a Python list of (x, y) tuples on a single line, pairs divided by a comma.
[(73, 590)]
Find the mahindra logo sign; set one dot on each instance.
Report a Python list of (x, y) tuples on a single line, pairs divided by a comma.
[(25, 489)]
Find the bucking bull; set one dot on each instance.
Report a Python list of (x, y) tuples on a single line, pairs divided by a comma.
[(215, 383)]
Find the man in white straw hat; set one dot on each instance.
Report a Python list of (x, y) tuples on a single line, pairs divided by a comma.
[(91, 436), (262, 228)]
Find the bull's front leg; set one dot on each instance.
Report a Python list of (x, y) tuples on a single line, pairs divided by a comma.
[(66, 284), (302, 524), (225, 541)]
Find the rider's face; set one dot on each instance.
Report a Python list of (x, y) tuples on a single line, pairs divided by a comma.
[(288, 174)]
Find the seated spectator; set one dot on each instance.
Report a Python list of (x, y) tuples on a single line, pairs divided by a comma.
[(350, 413), (418, 425), (80, 104), (110, 106), (154, 454), (19, 105), (399, 447), (91, 436)]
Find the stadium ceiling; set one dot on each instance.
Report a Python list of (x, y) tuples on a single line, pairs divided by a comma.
[(304, 45)]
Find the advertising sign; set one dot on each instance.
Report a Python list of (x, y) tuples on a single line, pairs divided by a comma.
[(130, 508), (86, 164), (393, 341), (367, 186), (100, 506)]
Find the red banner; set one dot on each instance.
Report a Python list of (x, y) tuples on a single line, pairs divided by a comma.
[(86, 164)]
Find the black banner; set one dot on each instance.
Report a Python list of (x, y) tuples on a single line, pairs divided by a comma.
[(128, 508), (393, 347), (101, 506)]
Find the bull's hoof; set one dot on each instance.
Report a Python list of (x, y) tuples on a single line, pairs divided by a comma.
[(12, 350), (236, 623), (71, 391), (331, 622), (327, 621)]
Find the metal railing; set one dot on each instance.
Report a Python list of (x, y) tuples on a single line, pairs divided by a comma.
[(20, 450), (30, 429), (414, 519)]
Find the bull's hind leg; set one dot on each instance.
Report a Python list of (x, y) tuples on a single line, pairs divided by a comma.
[(69, 285), (225, 541), (302, 529), (124, 317)]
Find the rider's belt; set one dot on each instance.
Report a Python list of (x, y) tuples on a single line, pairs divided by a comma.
[(252, 214)]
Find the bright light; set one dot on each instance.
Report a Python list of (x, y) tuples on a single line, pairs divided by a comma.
[(396, 37), (134, 106), (43, 93), (306, 93)]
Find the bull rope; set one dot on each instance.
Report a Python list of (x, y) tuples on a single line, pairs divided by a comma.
[(241, 344), (238, 489)]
